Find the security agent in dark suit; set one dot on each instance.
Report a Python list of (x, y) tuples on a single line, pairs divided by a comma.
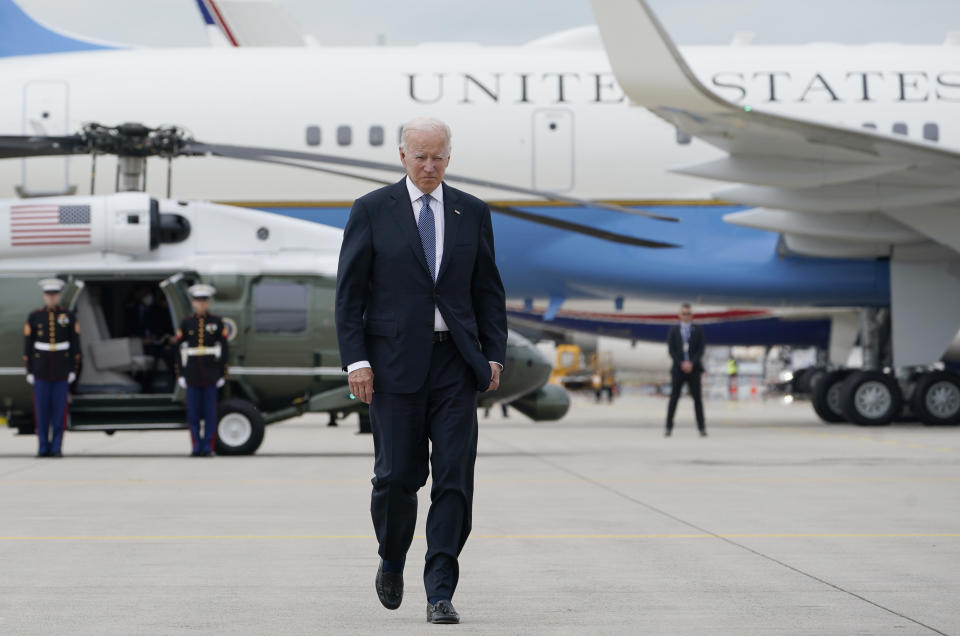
[(686, 344), (421, 324)]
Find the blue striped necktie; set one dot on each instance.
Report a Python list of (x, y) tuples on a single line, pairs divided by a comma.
[(428, 235)]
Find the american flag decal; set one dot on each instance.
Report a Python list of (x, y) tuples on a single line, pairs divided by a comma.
[(43, 224)]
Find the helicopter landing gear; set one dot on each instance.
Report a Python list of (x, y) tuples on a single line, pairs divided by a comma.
[(240, 428)]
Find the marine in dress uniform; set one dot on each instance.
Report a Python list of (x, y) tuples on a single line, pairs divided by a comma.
[(51, 355), (202, 367)]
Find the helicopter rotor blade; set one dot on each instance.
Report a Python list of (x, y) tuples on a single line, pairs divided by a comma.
[(16, 146), (253, 153), (506, 210)]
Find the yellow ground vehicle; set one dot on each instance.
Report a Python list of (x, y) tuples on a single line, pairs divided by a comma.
[(579, 371)]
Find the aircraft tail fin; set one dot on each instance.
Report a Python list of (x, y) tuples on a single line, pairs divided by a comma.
[(21, 34), (250, 23)]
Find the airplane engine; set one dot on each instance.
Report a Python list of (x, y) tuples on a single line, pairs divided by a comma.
[(128, 223)]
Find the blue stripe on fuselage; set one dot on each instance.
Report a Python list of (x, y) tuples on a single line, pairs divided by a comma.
[(716, 262), (765, 331)]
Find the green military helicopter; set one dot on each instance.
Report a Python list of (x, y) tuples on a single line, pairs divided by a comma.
[(128, 260)]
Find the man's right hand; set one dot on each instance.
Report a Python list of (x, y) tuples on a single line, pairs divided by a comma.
[(29, 378), (361, 384), (686, 366)]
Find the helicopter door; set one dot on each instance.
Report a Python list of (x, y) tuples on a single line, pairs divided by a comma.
[(45, 113), (175, 290), (71, 294)]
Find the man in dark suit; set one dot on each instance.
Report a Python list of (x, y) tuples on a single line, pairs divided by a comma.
[(686, 344), (421, 324)]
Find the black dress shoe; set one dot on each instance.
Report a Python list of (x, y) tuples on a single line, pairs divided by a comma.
[(389, 587), (56, 454), (442, 613)]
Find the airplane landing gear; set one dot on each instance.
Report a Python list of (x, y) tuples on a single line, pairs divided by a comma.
[(826, 396), (871, 398), (936, 398), (875, 395)]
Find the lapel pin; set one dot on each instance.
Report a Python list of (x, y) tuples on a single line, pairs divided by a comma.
[(457, 212)]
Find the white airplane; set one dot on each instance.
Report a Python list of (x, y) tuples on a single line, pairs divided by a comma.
[(847, 155)]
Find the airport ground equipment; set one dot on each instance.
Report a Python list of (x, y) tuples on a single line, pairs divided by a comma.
[(576, 370)]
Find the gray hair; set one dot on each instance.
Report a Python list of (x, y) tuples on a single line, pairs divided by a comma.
[(424, 124)]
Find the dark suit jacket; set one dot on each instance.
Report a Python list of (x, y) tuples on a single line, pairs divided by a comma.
[(386, 296), (697, 345)]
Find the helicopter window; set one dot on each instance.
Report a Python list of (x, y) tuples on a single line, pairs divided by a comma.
[(313, 135), (279, 306), (344, 135), (376, 135)]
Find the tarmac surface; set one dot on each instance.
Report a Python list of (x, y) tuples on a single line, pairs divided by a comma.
[(774, 524)]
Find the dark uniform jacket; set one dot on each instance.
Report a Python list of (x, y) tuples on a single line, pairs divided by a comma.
[(51, 344), (695, 351), (386, 295), (203, 349)]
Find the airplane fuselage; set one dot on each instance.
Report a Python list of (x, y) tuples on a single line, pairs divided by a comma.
[(546, 118)]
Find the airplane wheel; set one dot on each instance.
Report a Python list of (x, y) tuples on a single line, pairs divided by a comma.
[(813, 377), (826, 396), (240, 428), (805, 380), (936, 398), (871, 398)]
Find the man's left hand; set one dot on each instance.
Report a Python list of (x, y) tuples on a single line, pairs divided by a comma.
[(494, 377), (686, 366)]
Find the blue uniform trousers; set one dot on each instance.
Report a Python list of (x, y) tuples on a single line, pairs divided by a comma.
[(202, 404), (49, 409)]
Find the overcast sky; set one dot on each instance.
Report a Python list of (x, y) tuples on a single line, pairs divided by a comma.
[(177, 22)]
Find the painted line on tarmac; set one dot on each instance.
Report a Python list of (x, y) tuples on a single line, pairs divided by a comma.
[(520, 536), (729, 540), (494, 480)]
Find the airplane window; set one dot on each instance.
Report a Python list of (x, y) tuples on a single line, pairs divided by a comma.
[(279, 306), (900, 128), (682, 138), (344, 135), (870, 125), (931, 132), (313, 135), (376, 135)]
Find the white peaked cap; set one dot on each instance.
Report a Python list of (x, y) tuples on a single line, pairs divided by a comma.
[(51, 284), (201, 291)]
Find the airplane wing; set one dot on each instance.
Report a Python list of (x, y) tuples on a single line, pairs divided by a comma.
[(250, 23), (830, 191)]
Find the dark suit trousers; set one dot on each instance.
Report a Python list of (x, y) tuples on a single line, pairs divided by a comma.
[(678, 378), (444, 412)]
